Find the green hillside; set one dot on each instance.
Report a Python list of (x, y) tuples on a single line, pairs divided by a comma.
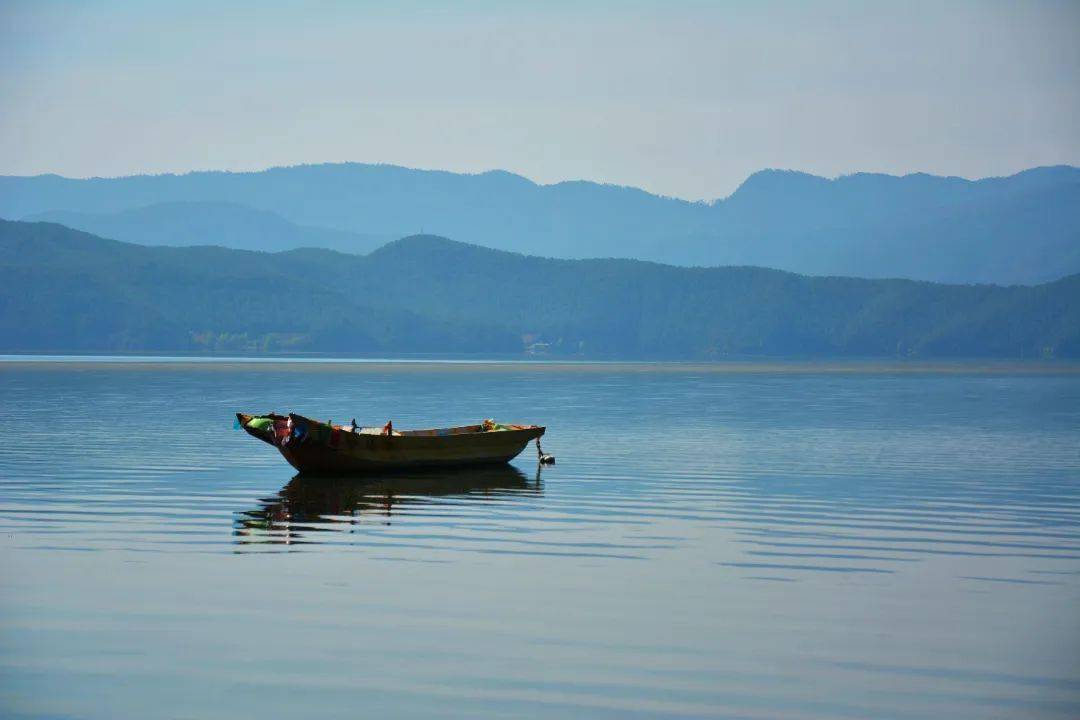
[(64, 290)]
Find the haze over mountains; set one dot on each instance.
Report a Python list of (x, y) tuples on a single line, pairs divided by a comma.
[(212, 223), (1019, 229), (63, 290)]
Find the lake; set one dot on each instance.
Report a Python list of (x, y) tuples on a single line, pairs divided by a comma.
[(788, 541)]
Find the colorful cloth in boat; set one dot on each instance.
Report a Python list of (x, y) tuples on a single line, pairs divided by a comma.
[(300, 431), (260, 423)]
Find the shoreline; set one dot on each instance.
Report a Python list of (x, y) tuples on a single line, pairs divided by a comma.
[(359, 365)]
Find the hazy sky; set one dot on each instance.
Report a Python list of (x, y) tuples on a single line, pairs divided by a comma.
[(682, 99)]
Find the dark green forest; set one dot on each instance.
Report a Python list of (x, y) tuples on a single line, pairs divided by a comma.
[(63, 290)]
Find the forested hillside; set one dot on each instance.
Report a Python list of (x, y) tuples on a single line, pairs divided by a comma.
[(64, 290)]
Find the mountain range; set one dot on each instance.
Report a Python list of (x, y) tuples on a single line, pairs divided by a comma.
[(212, 223), (63, 290), (1020, 229)]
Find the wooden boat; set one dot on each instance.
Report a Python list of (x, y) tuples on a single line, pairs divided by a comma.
[(316, 447)]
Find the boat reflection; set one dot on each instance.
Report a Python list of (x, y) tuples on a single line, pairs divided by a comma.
[(309, 505)]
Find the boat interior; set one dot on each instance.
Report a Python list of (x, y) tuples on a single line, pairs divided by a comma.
[(279, 425)]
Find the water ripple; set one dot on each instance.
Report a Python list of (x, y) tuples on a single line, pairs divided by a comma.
[(759, 546)]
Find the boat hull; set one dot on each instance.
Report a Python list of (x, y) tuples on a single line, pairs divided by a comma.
[(344, 452)]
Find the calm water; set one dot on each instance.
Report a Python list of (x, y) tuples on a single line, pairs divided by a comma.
[(709, 544)]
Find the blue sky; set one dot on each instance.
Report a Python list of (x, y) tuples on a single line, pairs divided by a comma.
[(682, 99)]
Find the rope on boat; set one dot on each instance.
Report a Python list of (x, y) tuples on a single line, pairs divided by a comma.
[(543, 458)]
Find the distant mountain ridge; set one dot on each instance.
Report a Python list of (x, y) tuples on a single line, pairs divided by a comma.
[(1019, 229), (184, 223), (63, 290)]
